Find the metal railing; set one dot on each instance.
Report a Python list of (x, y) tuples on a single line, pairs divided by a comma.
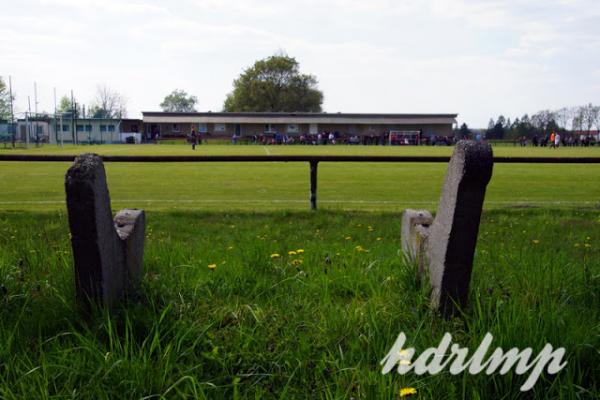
[(312, 160)]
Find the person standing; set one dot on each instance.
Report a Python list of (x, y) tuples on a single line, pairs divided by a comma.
[(552, 137), (556, 140), (194, 139)]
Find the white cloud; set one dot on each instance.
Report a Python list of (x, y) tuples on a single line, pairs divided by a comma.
[(478, 58)]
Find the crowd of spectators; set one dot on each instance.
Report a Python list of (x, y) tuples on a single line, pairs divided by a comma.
[(333, 138), (556, 139)]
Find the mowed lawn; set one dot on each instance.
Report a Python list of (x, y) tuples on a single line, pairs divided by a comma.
[(504, 150), (277, 185)]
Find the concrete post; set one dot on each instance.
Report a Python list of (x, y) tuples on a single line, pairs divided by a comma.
[(453, 234), (107, 254)]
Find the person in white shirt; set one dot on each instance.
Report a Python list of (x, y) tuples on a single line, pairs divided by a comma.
[(556, 140)]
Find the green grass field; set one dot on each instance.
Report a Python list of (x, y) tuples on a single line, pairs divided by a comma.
[(314, 324), (269, 186)]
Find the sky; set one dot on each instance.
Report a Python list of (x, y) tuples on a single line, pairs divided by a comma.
[(479, 59)]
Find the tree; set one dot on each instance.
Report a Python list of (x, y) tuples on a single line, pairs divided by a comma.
[(65, 107), (589, 116), (108, 104), (274, 84), (464, 130), (179, 101), (4, 101)]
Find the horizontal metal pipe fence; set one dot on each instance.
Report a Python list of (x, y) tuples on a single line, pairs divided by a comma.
[(312, 160)]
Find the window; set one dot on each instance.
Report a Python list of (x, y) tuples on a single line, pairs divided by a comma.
[(88, 128), (268, 128), (111, 128), (175, 128), (293, 128), (79, 128), (39, 130), (102, 128), (203, 128), (220, 128), (65, 128)]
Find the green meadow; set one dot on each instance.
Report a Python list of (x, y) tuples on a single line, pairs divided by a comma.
[(247, 294)]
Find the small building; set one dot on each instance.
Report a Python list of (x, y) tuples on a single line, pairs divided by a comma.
[(223, 124), (94, 130)]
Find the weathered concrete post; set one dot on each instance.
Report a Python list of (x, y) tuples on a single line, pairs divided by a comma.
[(451, 239), (415, 231), (107, 254), (453, 235)]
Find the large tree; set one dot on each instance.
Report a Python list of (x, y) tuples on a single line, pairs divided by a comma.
[(179, 101), (65, 106), (108, 104), (4, 101), (274, 84)]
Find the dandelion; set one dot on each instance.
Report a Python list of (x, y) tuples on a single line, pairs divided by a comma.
[(300, 251), (348, 237), (275, 255), (535, 241), (212, 266), (409, 391), (296, 262), (360, 249), (378, 239), (588, 245), (292, 253), (230, 248)]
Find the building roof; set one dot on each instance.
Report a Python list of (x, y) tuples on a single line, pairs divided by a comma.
[(294, 118)]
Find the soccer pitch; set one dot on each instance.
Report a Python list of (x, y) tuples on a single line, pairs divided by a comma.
[(280, 185)]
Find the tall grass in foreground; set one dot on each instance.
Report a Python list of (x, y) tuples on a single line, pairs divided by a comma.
[(313, 324)]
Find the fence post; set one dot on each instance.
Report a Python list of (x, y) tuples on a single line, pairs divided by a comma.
[(313, 184)]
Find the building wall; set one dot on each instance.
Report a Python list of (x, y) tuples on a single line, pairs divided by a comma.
[(86, 131), (216, 130)]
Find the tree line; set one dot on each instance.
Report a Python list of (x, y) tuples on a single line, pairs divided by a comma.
[(273, 84), (567, 119)]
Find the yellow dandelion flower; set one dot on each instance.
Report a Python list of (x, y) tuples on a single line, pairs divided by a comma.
[(337, 254), (212, 266), (535, 241), (292, 253), (230, 248), (296, 262), (300, 251), (588, 238), (361, 249), (378, 239), (275, 255), (348, 237), (409, 391), (588, 245)]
